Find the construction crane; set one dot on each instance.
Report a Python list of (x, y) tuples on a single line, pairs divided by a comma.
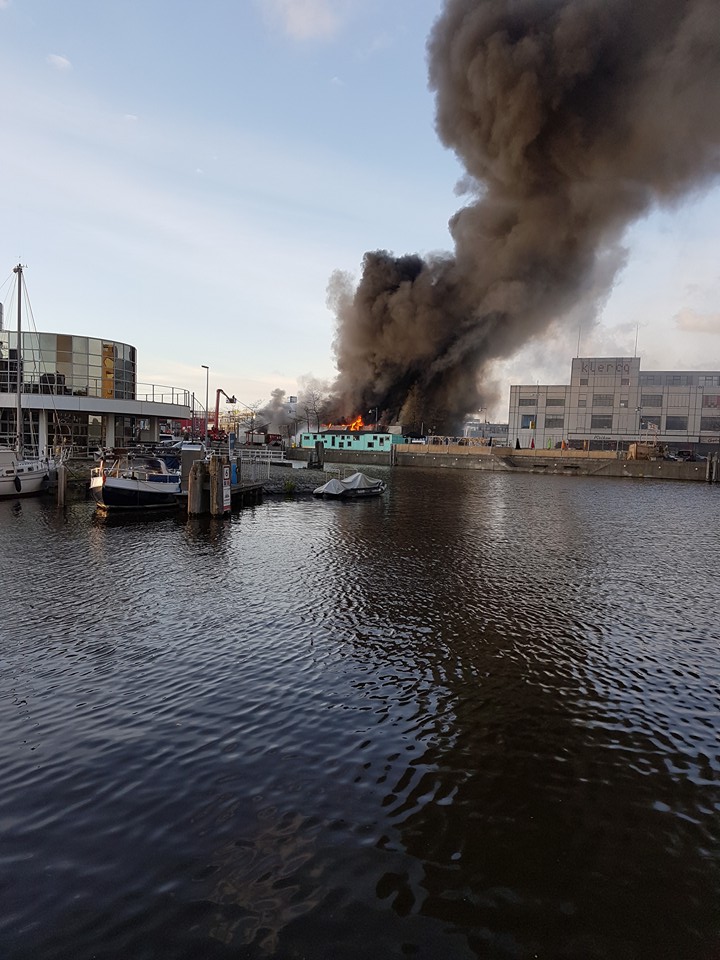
[(215, 432)]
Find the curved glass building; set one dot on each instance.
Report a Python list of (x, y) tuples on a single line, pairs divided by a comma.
[(81, 391)]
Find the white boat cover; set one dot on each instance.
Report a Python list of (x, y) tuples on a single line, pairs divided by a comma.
[(333, 488), (355, 482), (358, 481)]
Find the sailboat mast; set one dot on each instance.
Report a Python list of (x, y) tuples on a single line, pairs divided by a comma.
[(18, 398)]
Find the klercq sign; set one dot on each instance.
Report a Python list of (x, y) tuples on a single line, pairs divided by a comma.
[(605, 366)]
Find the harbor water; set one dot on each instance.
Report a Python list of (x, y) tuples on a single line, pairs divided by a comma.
[(477, 717)]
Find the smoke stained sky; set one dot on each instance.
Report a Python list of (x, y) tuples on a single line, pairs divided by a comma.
[(572, 118), (187, 178)]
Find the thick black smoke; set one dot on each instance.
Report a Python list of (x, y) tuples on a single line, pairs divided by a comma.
[(572, 118)]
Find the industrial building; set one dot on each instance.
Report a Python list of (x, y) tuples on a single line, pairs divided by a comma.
[(611, 402)]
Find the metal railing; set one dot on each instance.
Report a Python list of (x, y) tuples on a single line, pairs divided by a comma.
[(95, 387)]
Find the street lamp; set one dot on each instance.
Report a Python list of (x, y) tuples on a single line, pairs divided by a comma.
[(370, 413), (207, 398)]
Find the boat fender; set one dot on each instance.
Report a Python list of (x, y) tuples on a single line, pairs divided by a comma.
[(18, 484)]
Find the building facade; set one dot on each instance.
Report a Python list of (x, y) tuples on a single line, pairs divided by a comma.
[(610, 401), (80, 391), (356, 440), (483, 430)]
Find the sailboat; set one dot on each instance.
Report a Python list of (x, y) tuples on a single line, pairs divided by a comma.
[(20, 475)]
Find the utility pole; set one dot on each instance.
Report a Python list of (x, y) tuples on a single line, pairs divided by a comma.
[(207, 398)]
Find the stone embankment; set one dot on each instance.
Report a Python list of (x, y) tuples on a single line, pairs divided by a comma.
[(284, 481)]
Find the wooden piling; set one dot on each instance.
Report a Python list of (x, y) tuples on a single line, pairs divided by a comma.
[(215, 475), (61, 484), (196, 485)]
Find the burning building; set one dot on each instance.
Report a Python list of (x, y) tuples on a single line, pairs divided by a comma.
[(572, 118)]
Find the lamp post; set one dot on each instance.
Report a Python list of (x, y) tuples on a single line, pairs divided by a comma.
[(207, 398), (370, 413)]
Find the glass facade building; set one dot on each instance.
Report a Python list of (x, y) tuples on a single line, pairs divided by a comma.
[(61, 364), (57, 365)]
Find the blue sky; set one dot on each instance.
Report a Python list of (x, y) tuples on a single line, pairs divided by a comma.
[(186, 177)]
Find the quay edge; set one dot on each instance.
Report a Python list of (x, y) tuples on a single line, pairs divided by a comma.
[(579, 463)]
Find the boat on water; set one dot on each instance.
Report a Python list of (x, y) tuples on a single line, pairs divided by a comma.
[(134, 483), (21, 474), (355, 487)]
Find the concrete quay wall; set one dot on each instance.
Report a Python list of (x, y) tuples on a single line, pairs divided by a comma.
[(341, 456), (566, 462), (583, 463)]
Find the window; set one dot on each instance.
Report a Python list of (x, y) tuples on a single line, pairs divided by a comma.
[(527, 401), (710, 423), (370, 444), (527, 421), (582, 402), (598, 422), (583, 381), (711, 400), (646, 422), (625, 382), (555, 402), (678, 380), (554, 423), (623, 403), (647, 380), (676, 423), (651, 400), (602, 400), (709, 381)]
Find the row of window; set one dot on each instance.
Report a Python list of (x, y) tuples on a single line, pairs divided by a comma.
[(64, 346), (345, 440), (605, 422), (679, 379), (608, 400)]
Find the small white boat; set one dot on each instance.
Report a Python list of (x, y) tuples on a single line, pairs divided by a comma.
[(134, 483), (21, 474), (355, 487)]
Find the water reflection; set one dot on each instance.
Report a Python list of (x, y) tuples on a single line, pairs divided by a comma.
[(471, 718)]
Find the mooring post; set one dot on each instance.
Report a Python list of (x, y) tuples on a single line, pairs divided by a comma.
[(61, 484), (215, 475), (196, 484)]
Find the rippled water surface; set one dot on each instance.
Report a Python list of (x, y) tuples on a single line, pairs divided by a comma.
[(476, 718)]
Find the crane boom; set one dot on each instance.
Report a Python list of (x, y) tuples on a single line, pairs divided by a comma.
[(217, 405)]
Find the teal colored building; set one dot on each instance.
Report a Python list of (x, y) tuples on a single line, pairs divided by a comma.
[(354, 440)]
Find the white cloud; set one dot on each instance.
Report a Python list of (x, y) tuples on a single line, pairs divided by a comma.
[(4, 4), (130, 117), (307, 19), (690, 321), (58, 62)]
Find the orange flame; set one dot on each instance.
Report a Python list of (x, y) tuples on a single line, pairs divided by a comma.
[(357, 424)]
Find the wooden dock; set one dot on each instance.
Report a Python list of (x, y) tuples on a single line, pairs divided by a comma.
[(211, 490)]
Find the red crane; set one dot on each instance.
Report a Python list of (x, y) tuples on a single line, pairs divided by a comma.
[(215, 433)]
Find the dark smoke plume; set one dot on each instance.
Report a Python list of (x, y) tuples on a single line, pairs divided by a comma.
[(572, 118)]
